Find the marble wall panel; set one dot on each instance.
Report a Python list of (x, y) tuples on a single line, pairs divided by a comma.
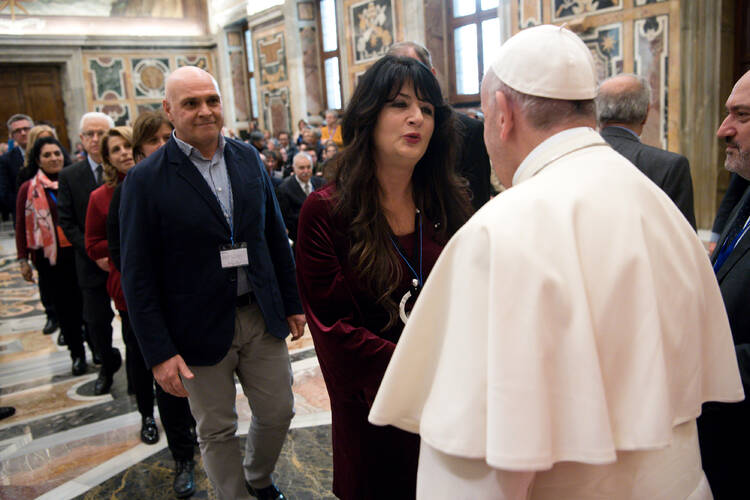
[(565, 9), (605, 43), (311, 65), (372, 28), (435, 38), (276, 111), (149, 76), (123, 84), (175, 9), (271, 52), (651, 54), (107, 78), (529, 13)]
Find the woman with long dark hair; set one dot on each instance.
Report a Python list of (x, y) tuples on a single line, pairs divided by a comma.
[(366, 244), (40, 240)]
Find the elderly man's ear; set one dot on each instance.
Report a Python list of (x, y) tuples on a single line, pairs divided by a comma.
[(504, 115)]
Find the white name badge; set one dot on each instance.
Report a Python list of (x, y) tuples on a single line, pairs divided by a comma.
[(234, 255)]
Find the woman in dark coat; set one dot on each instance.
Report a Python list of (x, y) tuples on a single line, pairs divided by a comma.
[(364, 242), (40, 240)]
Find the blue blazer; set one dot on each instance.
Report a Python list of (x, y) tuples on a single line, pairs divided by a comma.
[(179, 298)]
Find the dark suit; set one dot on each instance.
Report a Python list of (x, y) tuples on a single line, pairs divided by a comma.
[(473, 162), (76, 183), (291, 197), (10, 163), (724, 428), (180, 299), (669, 171)]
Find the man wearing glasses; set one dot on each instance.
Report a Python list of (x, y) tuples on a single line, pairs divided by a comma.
[(12, 161), (75, 186)]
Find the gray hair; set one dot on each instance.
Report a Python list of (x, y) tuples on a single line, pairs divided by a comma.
[(95, 114), (543, 113), (304, 155), (402, 49), (17, 118), (625, 106)]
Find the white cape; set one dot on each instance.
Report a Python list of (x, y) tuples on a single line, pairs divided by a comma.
[(574, 315)]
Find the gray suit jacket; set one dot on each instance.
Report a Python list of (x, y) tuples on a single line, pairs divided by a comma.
[(669, 171)]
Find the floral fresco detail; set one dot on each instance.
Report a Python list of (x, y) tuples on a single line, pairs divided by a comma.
[(272, 59), (150, 76), (605, 43)]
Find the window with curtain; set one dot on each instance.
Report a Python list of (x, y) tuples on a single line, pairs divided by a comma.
[(474, 38), (330, 59)]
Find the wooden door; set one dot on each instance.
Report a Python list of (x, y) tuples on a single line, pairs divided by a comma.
[(33, 90), (742, 42)]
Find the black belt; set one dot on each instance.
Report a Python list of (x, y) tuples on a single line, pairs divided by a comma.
[(245, 299)]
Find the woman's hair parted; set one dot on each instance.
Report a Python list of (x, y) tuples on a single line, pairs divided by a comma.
[(438, 191), (111, 175)]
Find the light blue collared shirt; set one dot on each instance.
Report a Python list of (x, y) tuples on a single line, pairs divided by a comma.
[(214, 171), (94, 166)]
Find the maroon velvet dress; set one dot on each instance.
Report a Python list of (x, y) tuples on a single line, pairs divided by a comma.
[(369, 462)]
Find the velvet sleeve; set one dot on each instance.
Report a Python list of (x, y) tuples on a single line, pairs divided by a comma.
[(352, 357), (96, 226)]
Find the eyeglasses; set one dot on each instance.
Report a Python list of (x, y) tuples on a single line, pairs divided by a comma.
[(93, 133), (20, 129)]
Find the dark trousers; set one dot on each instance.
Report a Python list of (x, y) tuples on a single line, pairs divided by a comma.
[(724, 436), (46, 296), (97, 313), (62, 285), (175, 412)]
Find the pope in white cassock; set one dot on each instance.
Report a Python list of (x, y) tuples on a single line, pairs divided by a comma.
[(571, 330)]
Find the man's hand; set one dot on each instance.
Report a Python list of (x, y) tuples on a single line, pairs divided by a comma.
[(103, 263), (167, 374), (296, 325), (26, 271)]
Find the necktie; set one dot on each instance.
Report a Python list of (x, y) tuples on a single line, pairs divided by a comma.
[(98, 175), (307, 188), (735, 232)]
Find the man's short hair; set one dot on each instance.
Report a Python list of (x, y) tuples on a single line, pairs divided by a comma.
[(303, 155), (256, 136), (17, 118), (402, 48), (95, 114), (629, 106), (544, 113)]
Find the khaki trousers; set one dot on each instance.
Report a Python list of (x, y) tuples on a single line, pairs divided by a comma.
[(261, 362)]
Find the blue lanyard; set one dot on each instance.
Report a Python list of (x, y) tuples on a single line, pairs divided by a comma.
[(727, 249), (52, 195), (400, 251)]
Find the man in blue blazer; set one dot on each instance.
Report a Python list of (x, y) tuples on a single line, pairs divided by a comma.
[(209, 280)]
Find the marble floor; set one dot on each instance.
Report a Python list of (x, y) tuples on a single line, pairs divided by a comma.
[(64, 442)]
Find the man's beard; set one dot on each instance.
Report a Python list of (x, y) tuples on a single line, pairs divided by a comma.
[(738, 162)]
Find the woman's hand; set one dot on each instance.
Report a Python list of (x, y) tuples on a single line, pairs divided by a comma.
[(26, 271)]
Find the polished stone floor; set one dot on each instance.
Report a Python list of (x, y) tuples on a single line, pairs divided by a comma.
[(64, 442)]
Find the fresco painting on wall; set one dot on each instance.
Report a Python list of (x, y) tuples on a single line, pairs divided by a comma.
[(99, 8), (239, 85), (149, 77), (373, 28), (148, 106), (272, 59), (107, 78), (651, 51), (276, 113), (605, 43), (562, 9)]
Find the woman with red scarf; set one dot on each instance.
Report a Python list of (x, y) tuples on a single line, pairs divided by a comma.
[(40, 240)]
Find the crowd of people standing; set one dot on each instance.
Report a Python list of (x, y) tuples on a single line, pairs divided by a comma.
[(559, 342)]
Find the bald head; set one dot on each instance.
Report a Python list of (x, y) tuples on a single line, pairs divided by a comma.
[(623, 100), (187, 75), (193, 105)]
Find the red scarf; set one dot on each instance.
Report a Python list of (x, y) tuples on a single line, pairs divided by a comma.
[(40, 228)]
